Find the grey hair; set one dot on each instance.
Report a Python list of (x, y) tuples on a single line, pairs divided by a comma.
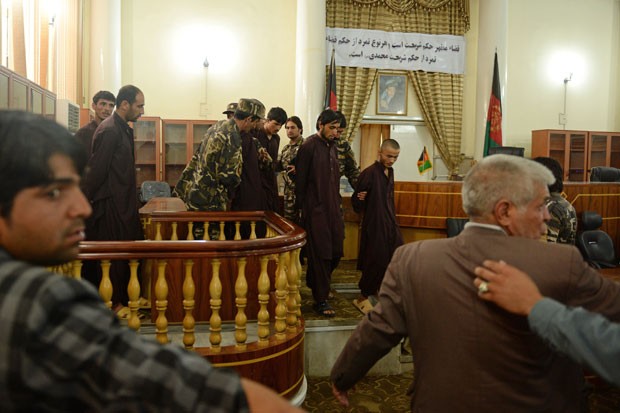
[(502, 176)]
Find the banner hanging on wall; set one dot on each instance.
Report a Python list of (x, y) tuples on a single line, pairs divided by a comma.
[(395, 50)]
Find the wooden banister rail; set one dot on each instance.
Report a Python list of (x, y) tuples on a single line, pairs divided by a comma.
[(242, 266), (247, 290)]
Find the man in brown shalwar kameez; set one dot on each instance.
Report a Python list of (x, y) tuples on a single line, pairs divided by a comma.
[(110, 186), (374, 197), (318, 196)]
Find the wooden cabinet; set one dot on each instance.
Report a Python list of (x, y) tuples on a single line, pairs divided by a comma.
[(604, 149), (17, 92), (163, 147), (569, 148), (180, 140), (86, 115), (147, 149)]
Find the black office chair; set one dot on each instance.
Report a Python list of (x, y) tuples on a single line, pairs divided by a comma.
[(596, 245), (507, 150), (604, 174), (153, 189), (454, 226)]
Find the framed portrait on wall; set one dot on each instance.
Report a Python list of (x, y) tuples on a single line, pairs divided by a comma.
[(391, 93)]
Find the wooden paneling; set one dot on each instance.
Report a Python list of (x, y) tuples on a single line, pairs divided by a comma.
[(278, 365), (427, 204)]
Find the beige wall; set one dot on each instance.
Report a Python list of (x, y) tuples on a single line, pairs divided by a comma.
[(250, 46), (540, 34), (164, 44)]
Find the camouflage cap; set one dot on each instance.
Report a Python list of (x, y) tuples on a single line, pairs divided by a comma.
[(230, 108), (252, 106)]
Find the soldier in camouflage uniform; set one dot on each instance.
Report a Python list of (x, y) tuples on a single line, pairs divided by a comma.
[(562, 227), (215, 169), (286, 165), (230, 110), (346, 157)]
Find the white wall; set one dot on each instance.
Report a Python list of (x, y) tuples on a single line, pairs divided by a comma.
[(250, 46), (251, 49), (547, 40)]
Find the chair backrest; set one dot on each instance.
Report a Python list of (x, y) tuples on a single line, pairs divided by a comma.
[(604, 174), (154, 189), (596, 246), (454, 226), (507, 150)]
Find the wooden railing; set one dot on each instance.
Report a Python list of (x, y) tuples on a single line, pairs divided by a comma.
[(241, 281)]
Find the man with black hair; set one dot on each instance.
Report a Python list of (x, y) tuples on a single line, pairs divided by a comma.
[(317, 194), (110, 186), (61, 348), (267, 135), (286, 165), (103, 105)]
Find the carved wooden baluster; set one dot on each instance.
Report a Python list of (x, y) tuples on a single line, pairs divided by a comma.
[(205, 233), (105, 286), (222, 234), (293, 290), (263, 300), (190, 231), (189, 292), (281, 281), (253, 230), (161, 303), (133, 291), (77, 269), (237, 236), (297, 263), (174, 236), (158, 236), (215, 322), (241, 301)]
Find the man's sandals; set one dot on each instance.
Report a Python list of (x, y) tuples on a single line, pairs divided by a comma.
[(364, 305), (324, 309)]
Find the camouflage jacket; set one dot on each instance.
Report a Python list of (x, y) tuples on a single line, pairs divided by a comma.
[(346, 161), (214, 170), (562, 227), (288, 154)]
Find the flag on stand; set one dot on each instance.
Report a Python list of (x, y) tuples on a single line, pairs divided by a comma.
[(424, 162), (493, 134), (331, 100)]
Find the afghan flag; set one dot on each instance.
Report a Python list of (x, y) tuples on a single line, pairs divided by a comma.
[(424, 162), (493, 134), (331, 100)]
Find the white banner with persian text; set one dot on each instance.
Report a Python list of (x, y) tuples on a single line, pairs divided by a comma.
[(396, 51)]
